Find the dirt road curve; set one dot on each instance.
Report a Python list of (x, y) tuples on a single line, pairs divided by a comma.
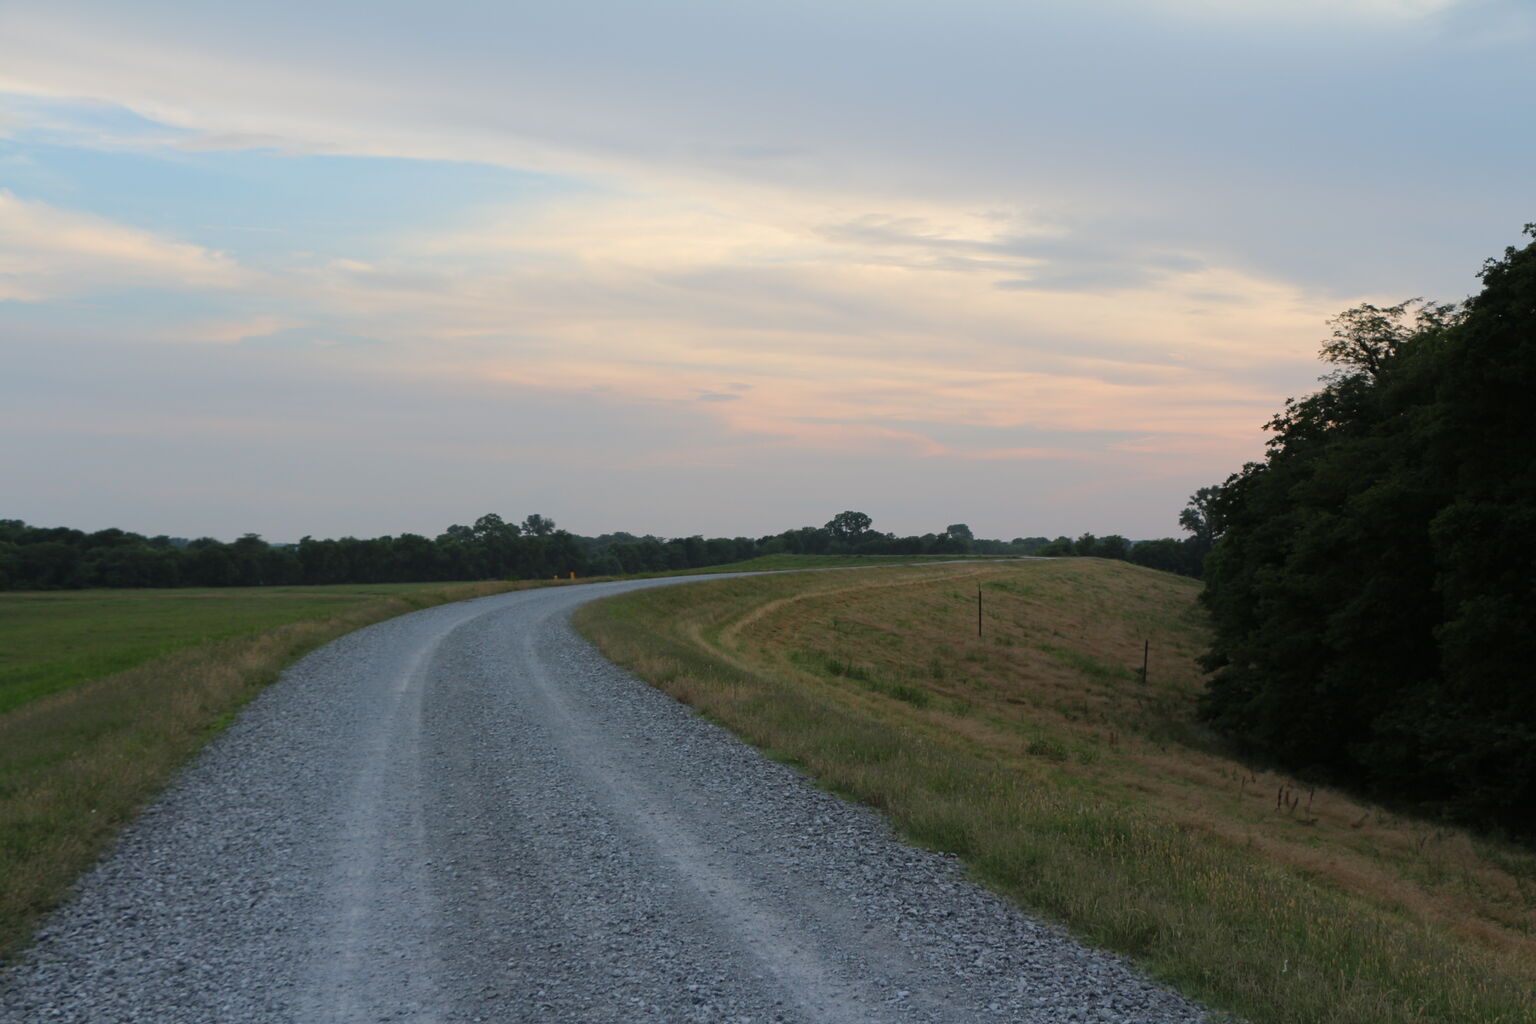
[(466, 814)]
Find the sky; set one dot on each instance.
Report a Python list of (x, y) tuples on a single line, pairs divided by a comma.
[(360, 268)]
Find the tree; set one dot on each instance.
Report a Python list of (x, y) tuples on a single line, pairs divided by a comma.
[(1202, 518), (1365, 339), (209, 565), (1113, 546), (456, 534), (537, 526), (1164, 553), (1373, 580), (50, 565), (416, 558), (848, 527), (247, 557), (492, 527)]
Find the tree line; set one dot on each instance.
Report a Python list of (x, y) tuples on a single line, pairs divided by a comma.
[(1373, 579), (60, 558), (1184, 556)]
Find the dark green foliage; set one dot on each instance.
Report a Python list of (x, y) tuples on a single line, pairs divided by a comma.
[(1166, 554), (1374, 584), (36, 558), (849, 527)]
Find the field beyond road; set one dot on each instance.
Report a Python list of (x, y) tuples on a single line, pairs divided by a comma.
[(52, 639), (1039, 755)]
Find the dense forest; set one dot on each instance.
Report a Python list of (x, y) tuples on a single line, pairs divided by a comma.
[(59, 558), (1374, 582)]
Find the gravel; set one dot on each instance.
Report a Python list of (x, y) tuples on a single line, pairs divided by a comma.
[(467, 814)]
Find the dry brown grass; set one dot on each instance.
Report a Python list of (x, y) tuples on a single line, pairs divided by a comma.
[(78, 764), (1038, 754)]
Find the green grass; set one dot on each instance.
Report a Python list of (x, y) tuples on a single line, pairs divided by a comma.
[(1069, 785), (51, 640)]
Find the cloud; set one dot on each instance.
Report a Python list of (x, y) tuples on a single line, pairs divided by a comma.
[(828, 343), (47, 252), (937, 241), (227, 331), (204, 142), (1037, 256), (1241, 139), (1288, 10)]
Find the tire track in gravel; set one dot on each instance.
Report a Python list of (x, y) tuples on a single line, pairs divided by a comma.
[(775, 942), (468, 814)]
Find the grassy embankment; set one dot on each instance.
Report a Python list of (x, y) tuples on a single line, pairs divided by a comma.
[(782, 563), (105, 693), (1038, 755)]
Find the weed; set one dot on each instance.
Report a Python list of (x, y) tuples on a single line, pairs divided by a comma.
[(1046, 749)]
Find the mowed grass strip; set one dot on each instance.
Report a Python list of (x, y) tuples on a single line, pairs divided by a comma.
[(78, 763), (51, 640), (1038, 755)]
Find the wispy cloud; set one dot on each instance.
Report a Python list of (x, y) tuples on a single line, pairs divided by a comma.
[(47, 252)]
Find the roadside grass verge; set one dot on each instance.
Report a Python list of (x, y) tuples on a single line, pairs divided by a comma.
[(1039, 756), (78, 763)]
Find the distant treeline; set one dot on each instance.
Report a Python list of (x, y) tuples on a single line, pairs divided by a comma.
[(1374, 581), (59, 558), (1185, 556)]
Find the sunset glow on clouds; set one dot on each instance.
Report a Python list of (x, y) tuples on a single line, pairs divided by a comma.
[(1040, 268)]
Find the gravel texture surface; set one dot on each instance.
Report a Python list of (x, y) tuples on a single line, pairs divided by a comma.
[(467, 814)]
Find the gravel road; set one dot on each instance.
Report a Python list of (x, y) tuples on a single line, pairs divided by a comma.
[(467, 814)]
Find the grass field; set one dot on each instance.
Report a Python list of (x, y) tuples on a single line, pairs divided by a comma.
[(109, 692), (51, 640), (1037, 753)]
